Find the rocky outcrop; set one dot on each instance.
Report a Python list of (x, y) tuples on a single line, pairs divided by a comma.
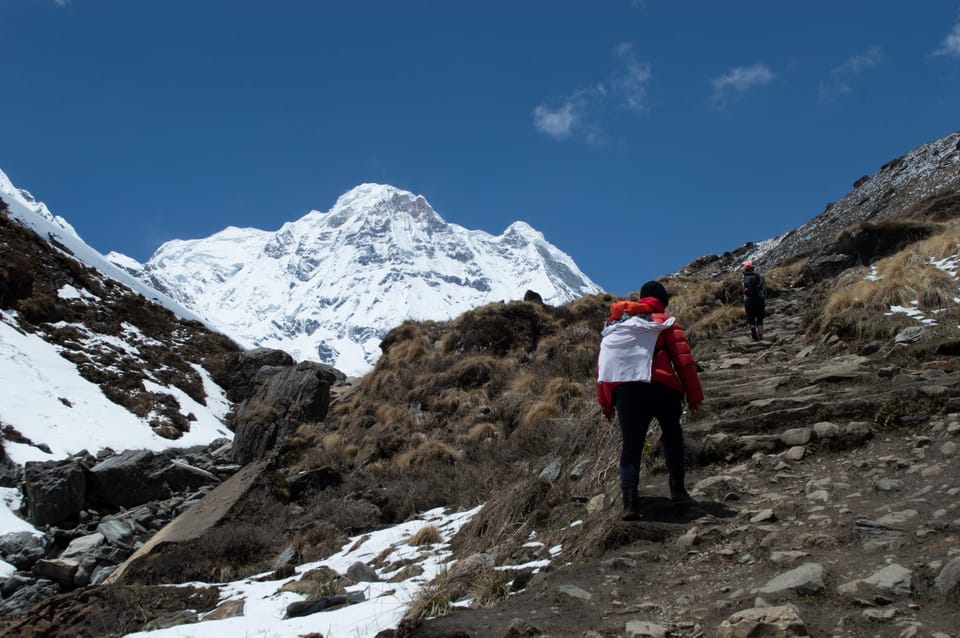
[(284, 398), (94, 513)]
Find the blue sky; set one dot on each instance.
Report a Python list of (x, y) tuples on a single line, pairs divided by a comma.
[(636, 135)]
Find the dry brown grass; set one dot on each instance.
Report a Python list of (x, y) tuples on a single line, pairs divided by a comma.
[(318, 582), (717, 321), (859, 308), (786, 275), (564, 393), (483, 432), (489, 587), (431, 600), (389, 414), (426, 535), (430, 451), (538, 415), (526, 384)]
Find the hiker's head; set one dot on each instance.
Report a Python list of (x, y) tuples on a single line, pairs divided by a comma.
[(747, 266), (655, 289)]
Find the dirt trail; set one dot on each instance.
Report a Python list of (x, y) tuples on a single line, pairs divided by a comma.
[(793, 475)]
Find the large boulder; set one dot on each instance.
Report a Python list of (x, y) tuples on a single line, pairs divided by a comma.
[(284, 399), (239, 376), (135, 477), (54, 490)]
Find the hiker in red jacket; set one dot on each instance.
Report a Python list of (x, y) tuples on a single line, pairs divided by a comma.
[(644, 372)]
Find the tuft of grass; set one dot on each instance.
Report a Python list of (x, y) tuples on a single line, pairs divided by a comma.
[(717, 321), (483, 432), (430, 451), (857, 310), (431, 600), (538, 414), (489, 587), (426, 535)]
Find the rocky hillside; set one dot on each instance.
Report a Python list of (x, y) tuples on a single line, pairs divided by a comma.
[(825, 473)]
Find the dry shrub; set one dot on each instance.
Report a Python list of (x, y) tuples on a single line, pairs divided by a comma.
[(690, 298), (318, 582), (305, 437), (538, 414), (431, 600), (426, 535), (717, 321), (383, 381), (430, 451), (483, 432), (452, 402), (786, 274), (331, 440), (498, 329), (571, 352), (591, 308), (564, 393), (389, 414), (526, 384), (473, 372), (489, 587), (858, 307), (319, 541)]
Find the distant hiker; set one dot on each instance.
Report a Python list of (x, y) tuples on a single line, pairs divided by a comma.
[(754, 299), (644, 371)]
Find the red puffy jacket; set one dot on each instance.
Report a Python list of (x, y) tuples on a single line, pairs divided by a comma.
[(673, 363)]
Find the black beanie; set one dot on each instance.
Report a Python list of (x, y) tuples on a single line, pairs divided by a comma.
[(655, 289)]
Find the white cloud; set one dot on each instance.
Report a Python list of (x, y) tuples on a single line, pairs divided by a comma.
[(558, 122), (950, 46), (734, 84), (841, 75), (583, 113), (62, 3), (630, 84)]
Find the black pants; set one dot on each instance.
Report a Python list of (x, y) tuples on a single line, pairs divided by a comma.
[(756, 309), (637, 404)]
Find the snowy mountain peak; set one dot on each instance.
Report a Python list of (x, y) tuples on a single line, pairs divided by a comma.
[(329, 285)]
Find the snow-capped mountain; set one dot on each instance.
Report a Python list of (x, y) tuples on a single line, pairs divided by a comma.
[(329, 285), (37, 217)]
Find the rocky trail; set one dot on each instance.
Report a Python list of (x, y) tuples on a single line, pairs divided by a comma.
[(827, 485)]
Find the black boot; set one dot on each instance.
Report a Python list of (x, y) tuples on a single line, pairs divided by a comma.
[(631, 506), (678, 493)]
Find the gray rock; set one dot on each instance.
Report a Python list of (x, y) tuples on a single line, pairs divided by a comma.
[(55, 491), (805, 579), (58, 570), (574, 592), (645, 629), (894, 579), (307, 607), (949, 576), (361, 572), (764, 621), (552, 471), (910, 334), (796, 436), (78, 547), (23, 549)]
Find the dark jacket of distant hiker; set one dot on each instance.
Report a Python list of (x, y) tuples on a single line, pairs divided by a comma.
[(754, 299)]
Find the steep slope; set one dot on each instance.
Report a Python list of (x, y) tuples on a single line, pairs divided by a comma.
[(87, 362), (330, 285), (920, 185)]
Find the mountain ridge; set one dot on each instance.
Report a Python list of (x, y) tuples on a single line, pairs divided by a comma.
[(329, 285)]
